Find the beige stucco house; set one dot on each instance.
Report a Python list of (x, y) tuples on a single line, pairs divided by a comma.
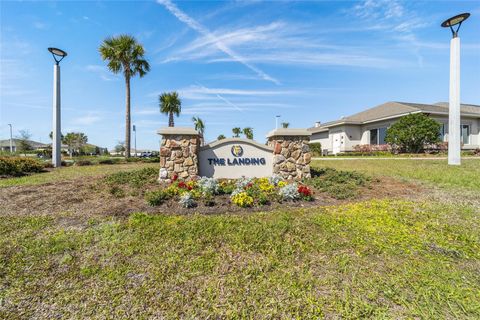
[(369, 126)]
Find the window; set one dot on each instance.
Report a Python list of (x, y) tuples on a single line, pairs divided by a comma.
[(377, 136), (373, 136), (465, 133), (442, 132)]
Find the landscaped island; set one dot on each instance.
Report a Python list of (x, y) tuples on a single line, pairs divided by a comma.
[(84, 240)]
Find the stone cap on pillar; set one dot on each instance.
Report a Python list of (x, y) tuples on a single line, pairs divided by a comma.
[(285, 132), (177, 131)]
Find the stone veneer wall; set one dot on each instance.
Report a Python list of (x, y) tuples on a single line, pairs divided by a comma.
[(179, 156), (291, 156)]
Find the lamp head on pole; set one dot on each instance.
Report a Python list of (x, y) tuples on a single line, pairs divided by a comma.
[(57, 54), (453, 21)]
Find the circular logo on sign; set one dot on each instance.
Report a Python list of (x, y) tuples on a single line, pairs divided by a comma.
[(237, 150)]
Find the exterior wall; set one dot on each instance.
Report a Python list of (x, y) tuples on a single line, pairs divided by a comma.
[(291, 156), (323, 138), (179, 156), (474, 124), (353, 137)]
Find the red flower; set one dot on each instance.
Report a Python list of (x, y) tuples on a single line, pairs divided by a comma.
[(182, 185), (249, 185), (304, 191), (175, 177)]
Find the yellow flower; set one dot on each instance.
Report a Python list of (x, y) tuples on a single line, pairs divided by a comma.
[(242, 199)]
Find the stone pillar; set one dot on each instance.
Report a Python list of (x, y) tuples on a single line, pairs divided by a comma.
[(178, 153), (291, 153)]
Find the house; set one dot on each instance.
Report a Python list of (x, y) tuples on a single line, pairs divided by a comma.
[(34, 145), (369, 127)]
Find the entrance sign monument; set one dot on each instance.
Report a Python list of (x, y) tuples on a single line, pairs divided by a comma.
[(234, 158), (286, 153)]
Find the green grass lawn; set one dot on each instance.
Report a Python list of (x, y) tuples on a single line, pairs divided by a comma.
[(466, 176), (382, 259), (72, 172)]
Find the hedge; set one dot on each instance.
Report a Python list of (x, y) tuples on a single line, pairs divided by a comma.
[(19, 166)]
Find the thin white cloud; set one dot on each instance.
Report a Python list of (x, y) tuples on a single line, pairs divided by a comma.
[(39, 25), (329, 59), (102, 72), (281, 43), (147, 111), (87, 120), (192, 23)]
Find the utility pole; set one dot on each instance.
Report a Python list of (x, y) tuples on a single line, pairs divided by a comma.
[(135, 139), (11, 140)]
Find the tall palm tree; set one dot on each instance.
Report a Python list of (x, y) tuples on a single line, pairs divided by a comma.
[(236, 132), (170, 104), (285, 125), (125, 54), (248, 132), (200, 127)]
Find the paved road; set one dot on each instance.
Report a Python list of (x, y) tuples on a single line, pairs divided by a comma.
[(390, 158)]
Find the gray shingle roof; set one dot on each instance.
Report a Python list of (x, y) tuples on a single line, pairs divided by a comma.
[(393, 108), (34, 144)]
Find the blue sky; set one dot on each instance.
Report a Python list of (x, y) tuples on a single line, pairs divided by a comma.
[(234, 63)]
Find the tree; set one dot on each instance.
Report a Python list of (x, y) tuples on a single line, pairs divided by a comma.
[(248, 132), (199, 126), (170, 104), (236, 132), (120, 146), (221, 137), (51, 136), (412, 132), (75, 141), (285, 125), (23, 144), (125, 54)]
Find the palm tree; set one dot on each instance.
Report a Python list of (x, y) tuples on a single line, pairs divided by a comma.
[(125, 54), (221, 137), (199, 126), (248, 132), (236, 132), (285, 125), (170, 104)]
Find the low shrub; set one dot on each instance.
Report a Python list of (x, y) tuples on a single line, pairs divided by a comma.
[(208, 185), (338, 184), (83, 163), (19, 166), (134, 178), (117, 192), (110, 161), (187, 200), (157, 197), (289, 192), (316, 148), (226, 187), (367, 148)]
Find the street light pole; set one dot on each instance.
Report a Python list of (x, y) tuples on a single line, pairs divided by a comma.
[(135, 139), (11, 140), (276, 121), (58, 56), (454, 124)]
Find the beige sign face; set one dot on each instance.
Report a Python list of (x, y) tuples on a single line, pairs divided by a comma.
[(234, 158)]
